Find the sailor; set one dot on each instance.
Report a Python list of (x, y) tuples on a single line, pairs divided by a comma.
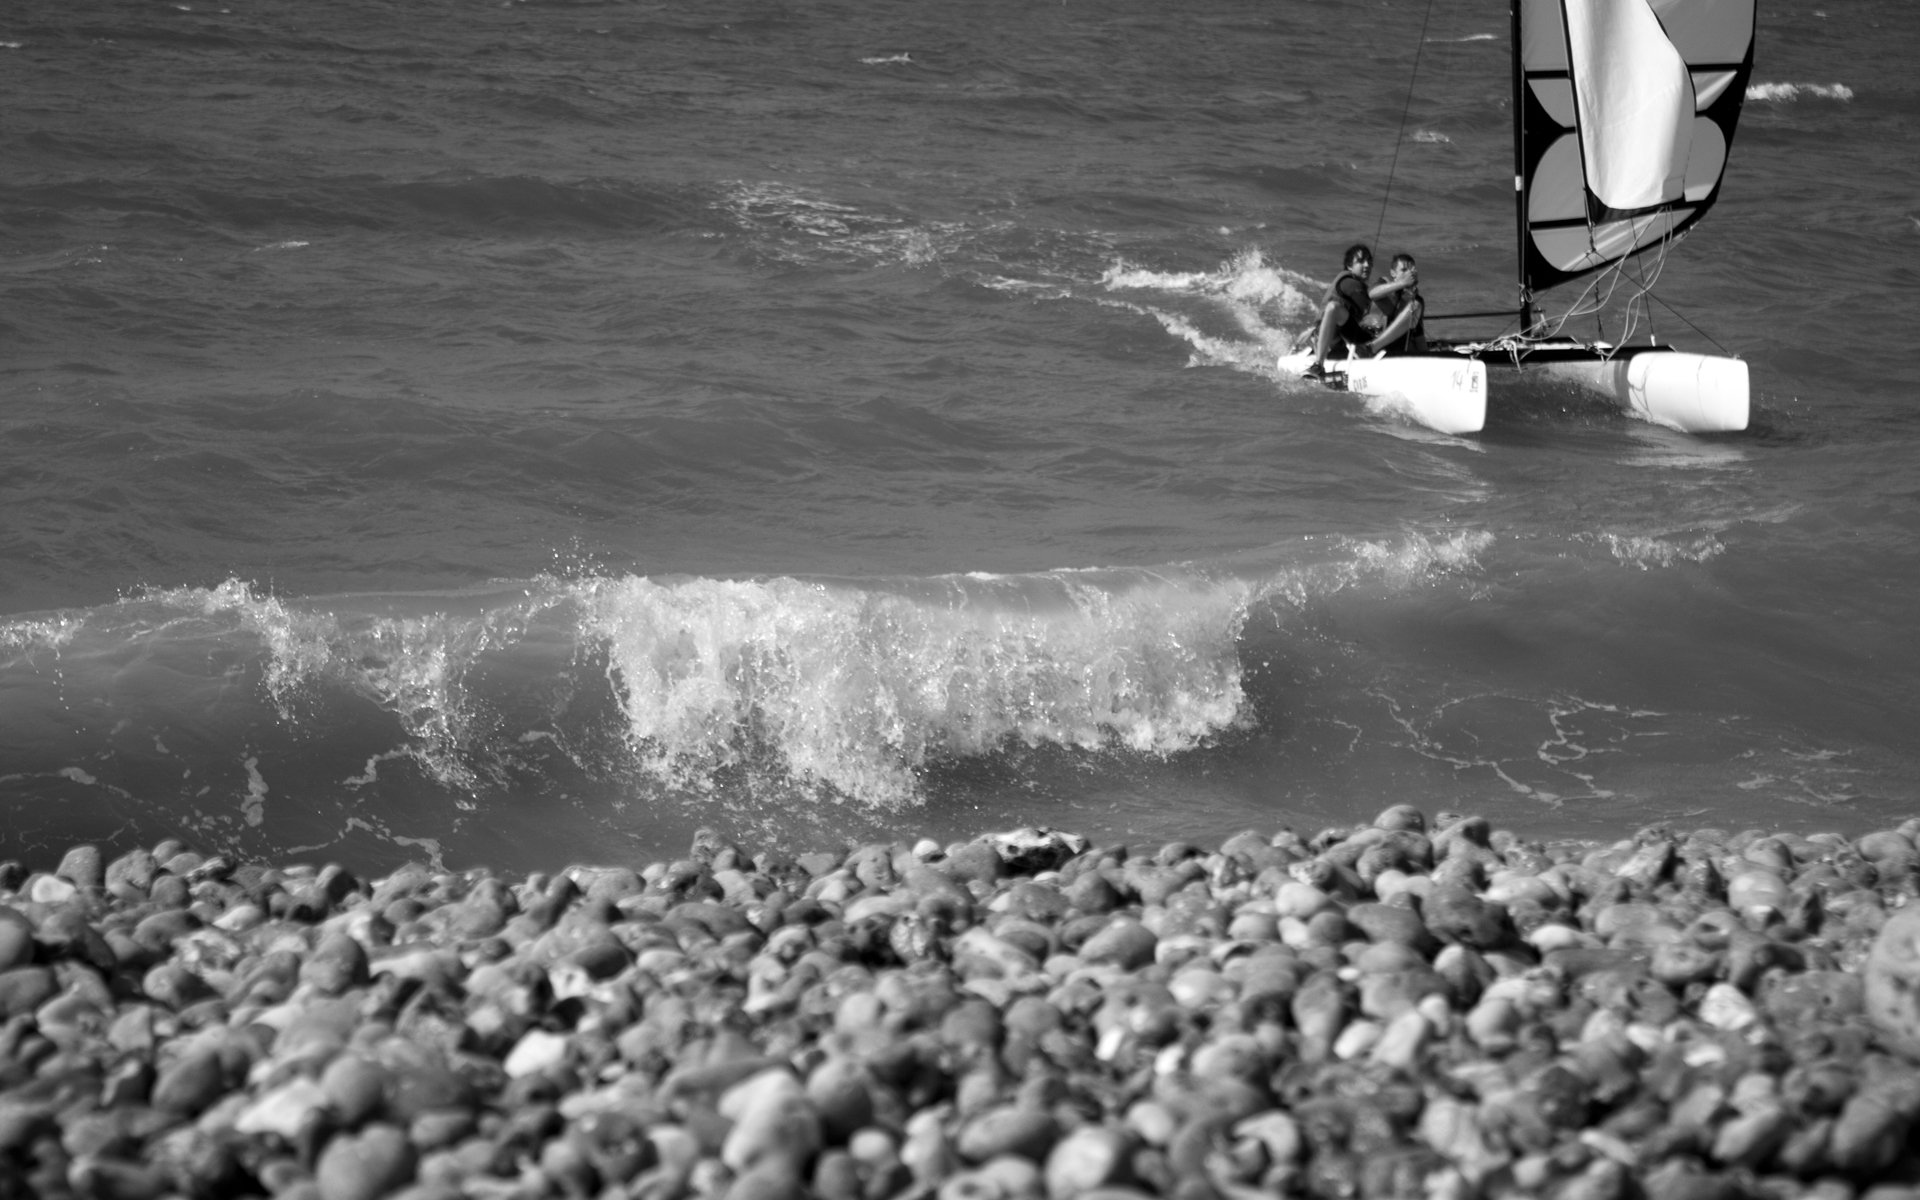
[(1344, 309), (1399, 297)]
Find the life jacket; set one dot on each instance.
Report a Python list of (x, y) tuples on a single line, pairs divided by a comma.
[(1351, 290)]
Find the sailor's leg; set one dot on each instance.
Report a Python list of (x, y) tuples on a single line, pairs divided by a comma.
[(1330, 319)]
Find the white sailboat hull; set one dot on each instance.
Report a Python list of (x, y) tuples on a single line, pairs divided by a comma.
[(1442, 392), (1693, 393)]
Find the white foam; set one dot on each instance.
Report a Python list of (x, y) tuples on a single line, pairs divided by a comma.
[(29, 634), (855, 690), (802, 226), (1650, 553), (1246, 279), (1786, 93), (1417, 558), (1245, 290), (1121, 277), (1028, 287)]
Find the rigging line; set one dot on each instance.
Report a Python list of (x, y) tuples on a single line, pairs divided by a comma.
[(1637, 303), (1690, 325), (1419, 48), (1611, 277)]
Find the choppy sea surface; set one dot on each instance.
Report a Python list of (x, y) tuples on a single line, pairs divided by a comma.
[(513, 434)]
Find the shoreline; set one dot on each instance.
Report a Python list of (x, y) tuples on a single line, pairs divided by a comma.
[(1404, 1008)]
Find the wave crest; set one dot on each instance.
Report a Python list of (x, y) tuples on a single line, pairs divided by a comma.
[(858, 689)]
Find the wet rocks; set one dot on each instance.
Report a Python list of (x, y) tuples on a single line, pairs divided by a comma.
[(1409, 1007)]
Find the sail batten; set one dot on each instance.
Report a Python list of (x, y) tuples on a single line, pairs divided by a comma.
[(1627, 110)]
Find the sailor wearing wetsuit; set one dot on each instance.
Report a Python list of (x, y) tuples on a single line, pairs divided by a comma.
[(1344, 308)]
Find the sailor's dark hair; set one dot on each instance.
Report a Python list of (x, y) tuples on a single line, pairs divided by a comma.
[(1403, 259), (1357, 250)]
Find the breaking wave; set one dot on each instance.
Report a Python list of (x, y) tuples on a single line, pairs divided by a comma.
[(806, 688)]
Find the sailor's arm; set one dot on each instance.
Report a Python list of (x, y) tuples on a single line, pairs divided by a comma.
[(1388, 287), (1405, 319)]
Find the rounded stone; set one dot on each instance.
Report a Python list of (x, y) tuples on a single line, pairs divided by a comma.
[(840, 1089), (770, 1179), (1403, 817), (337, 964), (975, 861), (1302, 900), (537, 1052), (24, 989), (1090, 1157), (1391, 923), (354, 1088), (836, 1176), (365, 1166), (1124, 942), (16, 939), (1008, 1129), (83, 866), (1457, 915), (1891, 981), (1091, 892), (771, 1116), (1755, 889), (1884, 844), (1678, 964), (189, 1084)]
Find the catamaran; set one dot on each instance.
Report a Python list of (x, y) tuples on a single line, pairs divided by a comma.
[(1624, 111)]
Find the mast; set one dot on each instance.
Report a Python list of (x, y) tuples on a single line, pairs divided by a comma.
[(1520, 171)]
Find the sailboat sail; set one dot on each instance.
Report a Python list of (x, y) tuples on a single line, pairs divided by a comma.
[(1626, 110)]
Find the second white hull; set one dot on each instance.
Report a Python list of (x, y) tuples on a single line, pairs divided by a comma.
[(1693, 393)]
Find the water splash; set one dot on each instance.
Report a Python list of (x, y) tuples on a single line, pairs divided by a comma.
[(1650, 553), (1238, 315), (856, 689)]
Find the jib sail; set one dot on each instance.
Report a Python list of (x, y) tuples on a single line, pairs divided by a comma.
[(1626, 110)]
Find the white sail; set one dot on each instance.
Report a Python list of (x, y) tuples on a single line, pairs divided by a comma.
[(1627, 109), (1634, 101)]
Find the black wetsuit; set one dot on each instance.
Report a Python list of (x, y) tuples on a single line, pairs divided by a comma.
[(1414, 340)]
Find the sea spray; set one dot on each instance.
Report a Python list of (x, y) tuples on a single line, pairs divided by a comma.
[(1262, 305), (855, 689)]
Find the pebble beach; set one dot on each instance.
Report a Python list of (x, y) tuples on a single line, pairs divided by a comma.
[(1420, 1007)]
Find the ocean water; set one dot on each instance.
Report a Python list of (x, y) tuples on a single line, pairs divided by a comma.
[(522, 433)]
